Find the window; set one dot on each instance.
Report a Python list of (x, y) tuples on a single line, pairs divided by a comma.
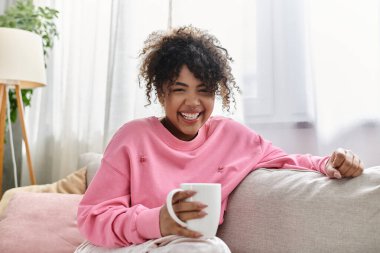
[(267, 41)]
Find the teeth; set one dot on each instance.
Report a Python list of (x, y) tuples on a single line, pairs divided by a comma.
[(190, 116)]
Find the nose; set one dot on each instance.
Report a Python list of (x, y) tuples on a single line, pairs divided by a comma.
[(192, 100)]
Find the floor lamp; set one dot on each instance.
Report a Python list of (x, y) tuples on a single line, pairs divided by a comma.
[(22, 66)]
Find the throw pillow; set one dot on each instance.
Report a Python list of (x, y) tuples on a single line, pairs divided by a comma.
[(40, 222)]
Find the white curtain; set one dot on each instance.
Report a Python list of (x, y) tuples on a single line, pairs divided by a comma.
[(66, 117), (132, 22), (345, 46), (92, 81), (295, 60)]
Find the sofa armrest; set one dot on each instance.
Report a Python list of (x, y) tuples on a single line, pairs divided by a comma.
[(303, 211)]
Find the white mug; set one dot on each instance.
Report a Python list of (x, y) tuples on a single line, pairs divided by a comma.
[(206, 193)]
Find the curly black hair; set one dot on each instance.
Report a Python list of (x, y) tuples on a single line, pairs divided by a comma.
[(165, 53)]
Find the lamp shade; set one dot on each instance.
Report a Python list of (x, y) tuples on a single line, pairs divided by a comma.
[(21, 58)]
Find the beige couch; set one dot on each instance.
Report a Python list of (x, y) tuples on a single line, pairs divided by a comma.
[(274, 211)]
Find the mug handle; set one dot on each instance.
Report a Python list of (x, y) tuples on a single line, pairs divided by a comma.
[(169, 205)]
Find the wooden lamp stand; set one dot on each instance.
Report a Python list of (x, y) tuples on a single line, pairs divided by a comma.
[(3, 108)]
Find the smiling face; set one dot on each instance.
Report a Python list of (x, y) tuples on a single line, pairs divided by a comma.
[(188, 104)]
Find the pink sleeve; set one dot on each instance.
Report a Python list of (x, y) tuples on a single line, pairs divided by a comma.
[(106, 217), (274, 157)]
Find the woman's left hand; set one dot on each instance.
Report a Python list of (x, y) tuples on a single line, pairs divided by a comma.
[(344, 163)]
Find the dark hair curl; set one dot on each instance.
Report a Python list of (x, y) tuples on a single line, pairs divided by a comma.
[(164, 54)]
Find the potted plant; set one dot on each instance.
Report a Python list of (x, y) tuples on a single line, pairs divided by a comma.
[(40, 20)]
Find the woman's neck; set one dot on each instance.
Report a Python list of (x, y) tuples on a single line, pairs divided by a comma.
[(174, 131)]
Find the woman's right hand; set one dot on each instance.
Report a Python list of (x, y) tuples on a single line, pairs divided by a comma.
[(185, 211)]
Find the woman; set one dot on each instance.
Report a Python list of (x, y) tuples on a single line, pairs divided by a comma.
[(124, 207)]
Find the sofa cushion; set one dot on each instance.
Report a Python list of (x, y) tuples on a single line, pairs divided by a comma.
[(303, 211), (92, 161), (74, 183), (40, 222)]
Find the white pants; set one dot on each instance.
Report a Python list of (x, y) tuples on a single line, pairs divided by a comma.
[(167, 244)]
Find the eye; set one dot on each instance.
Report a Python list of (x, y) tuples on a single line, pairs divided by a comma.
[(206, 91), (178, 90)]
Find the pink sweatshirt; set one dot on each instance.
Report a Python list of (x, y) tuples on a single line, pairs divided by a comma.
[(144, 161)]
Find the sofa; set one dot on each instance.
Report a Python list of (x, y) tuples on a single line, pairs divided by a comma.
[(270, 211)]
